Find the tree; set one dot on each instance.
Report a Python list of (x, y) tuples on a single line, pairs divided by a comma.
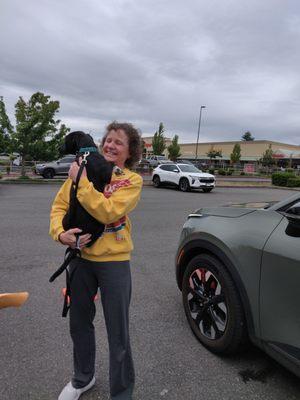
[(267, 159), (37, 135), (6, 129), (235, 156), (174, 149), (212, 153), (247, 137), (159, 141)]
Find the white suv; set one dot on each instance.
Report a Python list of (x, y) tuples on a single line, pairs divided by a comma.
[(185, 176)]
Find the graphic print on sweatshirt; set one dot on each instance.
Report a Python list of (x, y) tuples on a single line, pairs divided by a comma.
[(119, 225)]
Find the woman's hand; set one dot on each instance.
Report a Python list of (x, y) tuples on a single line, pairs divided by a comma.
[(68, 238), (73, 171)]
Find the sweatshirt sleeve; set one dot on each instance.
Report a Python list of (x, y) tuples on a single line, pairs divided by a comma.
[(59, 208), (119, 204)]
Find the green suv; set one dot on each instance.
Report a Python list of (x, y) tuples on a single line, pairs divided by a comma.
[(238, 269)]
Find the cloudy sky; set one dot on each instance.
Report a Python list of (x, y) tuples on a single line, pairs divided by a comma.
[(149, 61)]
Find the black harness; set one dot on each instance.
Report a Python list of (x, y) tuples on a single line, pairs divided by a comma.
[(70, 253)]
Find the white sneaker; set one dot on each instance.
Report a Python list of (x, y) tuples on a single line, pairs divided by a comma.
[(70, 393)]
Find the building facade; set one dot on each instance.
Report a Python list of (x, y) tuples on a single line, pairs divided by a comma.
[(251, 151)]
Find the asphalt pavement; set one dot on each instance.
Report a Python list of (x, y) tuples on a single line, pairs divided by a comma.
[(35, 348)]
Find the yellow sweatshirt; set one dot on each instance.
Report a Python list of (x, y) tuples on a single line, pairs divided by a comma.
[(110, 207)]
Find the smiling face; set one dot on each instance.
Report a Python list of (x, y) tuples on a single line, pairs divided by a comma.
[(116, 147)]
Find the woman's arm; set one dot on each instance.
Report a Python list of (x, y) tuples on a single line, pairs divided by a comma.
[(120, 203), (58, 210)]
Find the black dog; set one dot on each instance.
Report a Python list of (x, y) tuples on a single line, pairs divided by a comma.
[(99, 171)]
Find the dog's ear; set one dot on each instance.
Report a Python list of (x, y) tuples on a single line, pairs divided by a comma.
[(91, 140)]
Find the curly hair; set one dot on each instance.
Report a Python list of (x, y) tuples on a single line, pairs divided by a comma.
[(134, 141)]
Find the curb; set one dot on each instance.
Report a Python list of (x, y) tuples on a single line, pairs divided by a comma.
[(145, 183)]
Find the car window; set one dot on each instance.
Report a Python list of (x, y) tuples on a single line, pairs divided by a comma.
[(294, 209), (165, 167), (188, 168), (67, 159)]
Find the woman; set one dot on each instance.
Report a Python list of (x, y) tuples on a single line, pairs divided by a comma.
[(105, 264)]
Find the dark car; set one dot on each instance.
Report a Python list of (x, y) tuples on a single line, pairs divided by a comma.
[(239, 272)]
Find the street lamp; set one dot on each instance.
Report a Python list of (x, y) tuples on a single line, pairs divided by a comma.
[(199, 125)]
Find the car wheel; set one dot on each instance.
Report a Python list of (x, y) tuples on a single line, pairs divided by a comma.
[(156, 181), (184, 185), (48, 173), (213, 306), (207, 190)]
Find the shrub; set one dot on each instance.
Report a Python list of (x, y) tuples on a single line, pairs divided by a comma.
[(291, 170), (0, 175), (281, 178), (24, 178), (221, 172), (242, 173), (211, 171), (293, 182), (229, 171)]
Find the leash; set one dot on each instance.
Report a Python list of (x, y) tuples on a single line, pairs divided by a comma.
[(70, 253)]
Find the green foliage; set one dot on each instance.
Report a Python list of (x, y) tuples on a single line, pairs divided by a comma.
[(247, 137), (212, 153), (221, 171), (242, 173), (174, 149), (159, 141), (281, 178), (267, 159), (229, 171), (293, 182), (6, 129), (37, 134), (211, 171), (0, 175), (235, 156)]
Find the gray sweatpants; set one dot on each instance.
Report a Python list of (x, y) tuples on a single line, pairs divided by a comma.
[(114, 281)]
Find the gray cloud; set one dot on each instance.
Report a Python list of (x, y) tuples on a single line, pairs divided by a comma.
[(148, 62)]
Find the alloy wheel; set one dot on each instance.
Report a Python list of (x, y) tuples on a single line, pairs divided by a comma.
[(207, 305)]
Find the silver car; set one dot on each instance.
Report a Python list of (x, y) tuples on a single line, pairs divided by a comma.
[(59, 167)]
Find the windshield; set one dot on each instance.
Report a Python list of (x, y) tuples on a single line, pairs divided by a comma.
[(188, 168), (161, 157)]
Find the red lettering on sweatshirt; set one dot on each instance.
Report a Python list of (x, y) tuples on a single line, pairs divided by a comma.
[(115, 185)]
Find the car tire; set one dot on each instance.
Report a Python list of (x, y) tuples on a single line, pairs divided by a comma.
[(156, 181), (207, 190), (213, 306), (48, 173), (184, 185)]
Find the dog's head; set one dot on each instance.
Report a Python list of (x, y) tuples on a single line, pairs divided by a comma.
[(75, 140)]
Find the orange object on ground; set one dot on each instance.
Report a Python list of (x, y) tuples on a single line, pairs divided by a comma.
[(13, 299)]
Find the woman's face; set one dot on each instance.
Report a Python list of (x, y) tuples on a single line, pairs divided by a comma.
[(116, 147)]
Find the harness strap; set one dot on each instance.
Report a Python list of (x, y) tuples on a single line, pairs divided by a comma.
[(67, 305)]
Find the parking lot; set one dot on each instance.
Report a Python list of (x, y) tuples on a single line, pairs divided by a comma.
[(35, 348)]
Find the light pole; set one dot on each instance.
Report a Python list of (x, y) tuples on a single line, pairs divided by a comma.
[(199, 125)]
